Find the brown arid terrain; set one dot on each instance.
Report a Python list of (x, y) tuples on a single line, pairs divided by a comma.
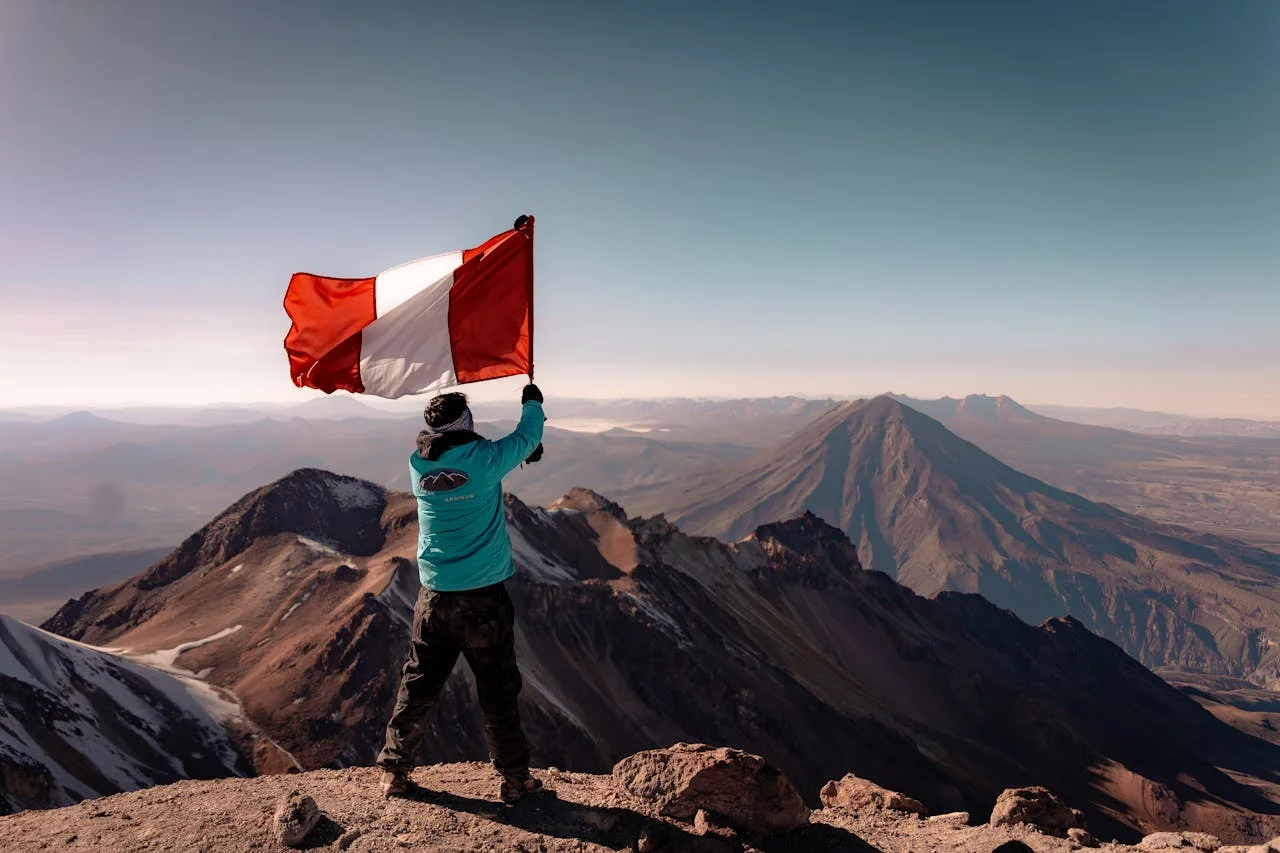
[(454, 808), (1236, 702), (937, 513), (293, 605), (1223, 484)]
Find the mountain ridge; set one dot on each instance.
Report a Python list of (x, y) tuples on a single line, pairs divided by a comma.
[(936, 512), (634, 634)]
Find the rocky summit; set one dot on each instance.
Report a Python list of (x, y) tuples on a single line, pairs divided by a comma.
[(454, 807)]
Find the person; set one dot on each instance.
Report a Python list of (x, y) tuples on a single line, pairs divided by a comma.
[(463, 608)]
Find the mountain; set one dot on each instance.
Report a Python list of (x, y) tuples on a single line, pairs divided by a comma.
[(1229, 485), (78, 722), (1162, 423), (633, 635), (976, 408), (937, 513)]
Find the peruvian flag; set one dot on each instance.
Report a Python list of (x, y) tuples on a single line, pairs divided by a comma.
[(433, 323)]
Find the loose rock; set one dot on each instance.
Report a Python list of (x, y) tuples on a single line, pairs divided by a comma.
[(957, 818), (1082, 837), (706, 824), (348, 838), (1188, 841), (855, 794), (1037, 807), (743, 789), (295, 817), (651, 837), (600, 820)]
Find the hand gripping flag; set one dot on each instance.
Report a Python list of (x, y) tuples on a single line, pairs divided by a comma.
[(429, 324)]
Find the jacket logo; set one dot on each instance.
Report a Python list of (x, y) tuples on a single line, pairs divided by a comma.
[(444, 480)]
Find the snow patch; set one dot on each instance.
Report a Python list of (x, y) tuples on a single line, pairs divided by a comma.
[(164, 658), (237, 568), (354, 494), (661, 619), (301, 601), (88, 683), (318, 547), (536, 563)]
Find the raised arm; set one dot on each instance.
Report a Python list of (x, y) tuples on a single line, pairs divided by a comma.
[(515, 448)]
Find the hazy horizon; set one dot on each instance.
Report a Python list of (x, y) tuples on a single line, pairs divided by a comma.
[(411, 405), (1071, 204)]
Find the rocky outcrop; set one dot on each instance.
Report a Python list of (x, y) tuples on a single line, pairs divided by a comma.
[(743, 790), (855, 793), (24, 782), (1038, 807)]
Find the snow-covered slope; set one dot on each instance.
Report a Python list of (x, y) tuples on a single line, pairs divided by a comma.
[(78, 722)]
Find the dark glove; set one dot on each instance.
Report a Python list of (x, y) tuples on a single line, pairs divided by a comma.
[(531, 392), (536, 455)]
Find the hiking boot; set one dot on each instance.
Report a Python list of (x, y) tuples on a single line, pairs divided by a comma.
[(395, 783), (516, 788)]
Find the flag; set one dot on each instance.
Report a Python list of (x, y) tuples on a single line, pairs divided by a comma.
[(432, 323)]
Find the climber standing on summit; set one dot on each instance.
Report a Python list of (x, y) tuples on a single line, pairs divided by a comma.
[(464, 560)]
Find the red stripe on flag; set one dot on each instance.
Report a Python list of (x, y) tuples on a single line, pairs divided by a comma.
[(324, 342), (489, 328)]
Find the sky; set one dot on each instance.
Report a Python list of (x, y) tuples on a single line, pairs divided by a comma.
[(1073, 203)]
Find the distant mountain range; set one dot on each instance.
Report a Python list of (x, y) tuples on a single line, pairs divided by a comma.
[(146, 485), (936, 512), (676, 412), (143, 486), (1161, 423), (1225, 485), (633, 634)]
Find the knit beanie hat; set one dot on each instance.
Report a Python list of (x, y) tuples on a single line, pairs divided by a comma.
[(449, 413)]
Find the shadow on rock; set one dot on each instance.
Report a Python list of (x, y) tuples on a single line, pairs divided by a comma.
[(816, 838), (618, 828), (325, 833)]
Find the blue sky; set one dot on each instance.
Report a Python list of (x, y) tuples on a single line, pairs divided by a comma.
[(1069, 202)]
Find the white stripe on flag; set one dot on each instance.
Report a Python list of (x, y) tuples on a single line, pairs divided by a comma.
[(408, 350), (398, 284)]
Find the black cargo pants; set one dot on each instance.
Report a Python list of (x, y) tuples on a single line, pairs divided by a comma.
[(478, 624)]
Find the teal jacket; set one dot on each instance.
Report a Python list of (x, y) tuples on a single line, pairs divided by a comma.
[(462, 523)]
